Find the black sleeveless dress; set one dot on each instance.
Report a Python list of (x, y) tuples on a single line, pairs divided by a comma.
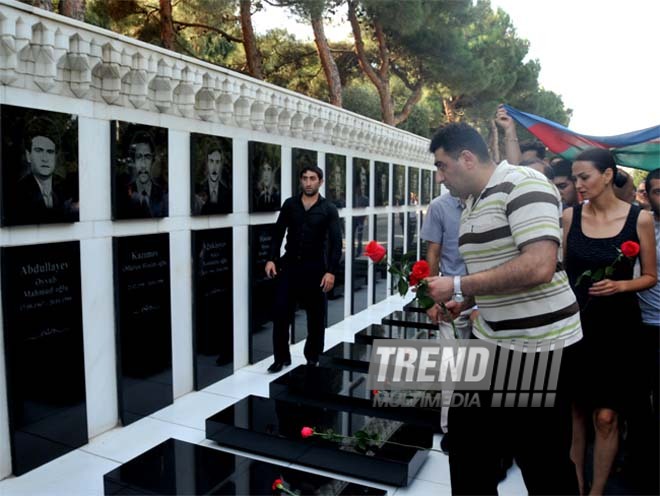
[(604, 361)]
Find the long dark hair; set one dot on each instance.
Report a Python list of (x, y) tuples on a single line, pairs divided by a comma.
[(603, 160)]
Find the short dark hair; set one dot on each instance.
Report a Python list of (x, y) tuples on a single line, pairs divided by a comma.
[(312, 168), (654, 174), (547, 170), (41, 126), (141, 137), (603, 160), (533, 145), (562, 167), (455, 137)]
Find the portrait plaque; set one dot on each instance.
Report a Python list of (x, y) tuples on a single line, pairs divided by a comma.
[(39, 166), (139, 171), (413, 186), (213, 310), (380, 269), (382, 184), (299, 159), (360, 182), (42, 313), (335, 179), (144, 329), (399, 192), (265, 176), (427, 176), (211, 174)]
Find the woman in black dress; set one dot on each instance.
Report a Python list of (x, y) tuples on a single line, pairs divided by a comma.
[(603, 361)]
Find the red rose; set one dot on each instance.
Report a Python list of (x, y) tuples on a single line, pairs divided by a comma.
[(375, 251), (277, 483), (420, 270), (630, 248), (306, 432)]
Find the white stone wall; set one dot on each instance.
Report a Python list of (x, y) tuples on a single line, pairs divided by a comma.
[(54, 63)]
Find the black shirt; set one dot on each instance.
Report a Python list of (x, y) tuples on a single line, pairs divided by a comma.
[(309, 233)]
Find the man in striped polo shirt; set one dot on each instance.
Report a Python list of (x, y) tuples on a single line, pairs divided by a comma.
[(510, 241)]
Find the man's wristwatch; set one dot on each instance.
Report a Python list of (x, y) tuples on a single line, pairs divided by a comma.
[(458, 294)]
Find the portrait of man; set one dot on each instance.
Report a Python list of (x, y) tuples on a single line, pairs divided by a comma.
[(335, 166), (265, 176), (399, 185), (300, 158), (39, 166), (211, 162), (360, 182), (426, 187), (382, 192), (140, 171), (413, 186)]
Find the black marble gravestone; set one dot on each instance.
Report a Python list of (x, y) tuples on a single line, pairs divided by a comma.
[(38, 145), (413, 186), (344, 389), (213, 322), (272, 427), (377, 331), (380, 269), (360, 264), (299, 159), (144, 335), (382, 184), (262, 293), (409, 319), (42, 313), (178, 467), (211, 164)]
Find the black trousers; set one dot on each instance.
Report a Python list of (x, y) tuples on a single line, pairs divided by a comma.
[(299, 285), (539, 438)]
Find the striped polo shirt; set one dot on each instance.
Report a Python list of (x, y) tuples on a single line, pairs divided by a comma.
[(518, 206)]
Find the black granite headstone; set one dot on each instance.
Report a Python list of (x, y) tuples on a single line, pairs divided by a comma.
[(178, 467), (360, 269), (377, 331), (265, 176), (426, 186), (398, 220), (213, 322), (380, 269), (382, 184), (335, 183), (335, 299), (399, 186), (413, 186), (144, 335), (42, 313), (347, 389), (262, 293), (211, 165), (272, 427)]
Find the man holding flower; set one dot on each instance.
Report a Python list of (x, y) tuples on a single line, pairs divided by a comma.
[(510, 241)]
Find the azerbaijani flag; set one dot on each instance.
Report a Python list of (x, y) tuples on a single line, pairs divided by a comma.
[(638, 149)]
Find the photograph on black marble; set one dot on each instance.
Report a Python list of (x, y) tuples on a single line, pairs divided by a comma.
[(213, 328), (43, 330), (380, 269), (360, 269), (426, 187), (382, 186), (38, 166), (143, 324), (211, 174), (335, 175), (436, 187), (413, 186), (265, 176), (399, 189), (360, 182), (398, 221), (139, 157), (335, 312), (261, 293), (299, 159)]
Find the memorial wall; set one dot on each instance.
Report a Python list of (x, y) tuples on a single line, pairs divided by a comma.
[(139, 190)]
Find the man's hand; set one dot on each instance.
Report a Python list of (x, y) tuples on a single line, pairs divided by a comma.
[(328, 282), (271, 270), (503, 119), (441, 288)]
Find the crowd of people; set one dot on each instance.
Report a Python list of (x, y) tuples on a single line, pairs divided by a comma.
[(560, 253)]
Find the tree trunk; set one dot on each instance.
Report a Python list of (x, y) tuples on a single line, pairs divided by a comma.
[(41, 4), (166, 25), (413, 99), (73, 8), (252, 55), (327, 62), (494, 142)]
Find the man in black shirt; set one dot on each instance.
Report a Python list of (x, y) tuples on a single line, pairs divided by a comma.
[(307, 270)]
